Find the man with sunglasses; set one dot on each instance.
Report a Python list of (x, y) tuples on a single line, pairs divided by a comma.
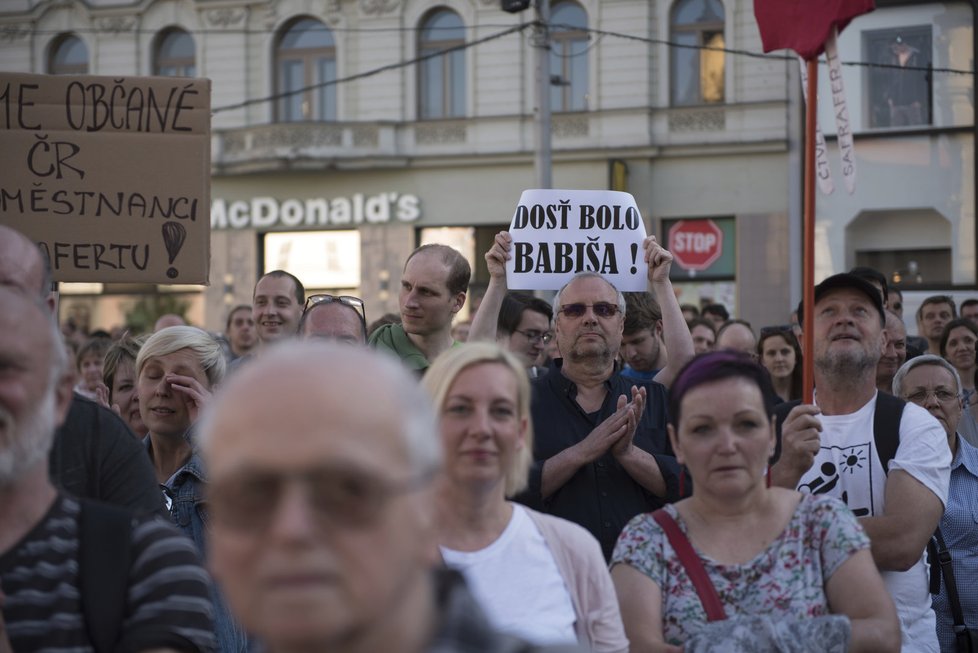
[(341, 318), (600, 447), (324, 537)]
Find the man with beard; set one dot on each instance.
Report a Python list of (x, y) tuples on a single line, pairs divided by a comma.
[(886, 459), (600, 447), (894, 353), (78, 575)]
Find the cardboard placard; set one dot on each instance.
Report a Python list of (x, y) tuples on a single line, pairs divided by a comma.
[(111, 175), (558, 233)]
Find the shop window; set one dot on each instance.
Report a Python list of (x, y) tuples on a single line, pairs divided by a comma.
[(322, 260), (174, 54), (568, 57), (68, 56), (304, 59), (697, 74), (899, 94), (908, 268), (441, 79)]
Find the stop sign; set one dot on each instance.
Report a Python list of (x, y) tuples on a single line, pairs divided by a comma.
[(696, 244)]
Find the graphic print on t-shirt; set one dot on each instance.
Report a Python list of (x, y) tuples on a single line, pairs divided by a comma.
[(846, 473)]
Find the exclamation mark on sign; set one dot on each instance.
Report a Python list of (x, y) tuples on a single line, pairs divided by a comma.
[(173, 236), (634, 247)]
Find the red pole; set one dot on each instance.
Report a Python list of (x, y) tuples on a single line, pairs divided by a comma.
[(808, 235)]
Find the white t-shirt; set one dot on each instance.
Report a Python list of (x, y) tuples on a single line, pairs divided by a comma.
[(848, 467), (517, 581)]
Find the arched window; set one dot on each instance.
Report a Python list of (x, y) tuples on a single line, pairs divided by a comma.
[(174, 54), (568, 57), (68, 56), (696, 74), (306, 56), (441, 79)]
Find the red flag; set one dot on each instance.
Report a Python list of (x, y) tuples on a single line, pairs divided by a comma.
[(804, 25)]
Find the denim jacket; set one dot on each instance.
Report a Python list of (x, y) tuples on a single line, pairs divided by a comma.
[(188, 511)]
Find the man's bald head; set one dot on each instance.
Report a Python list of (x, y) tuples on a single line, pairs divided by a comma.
[(22, 265)]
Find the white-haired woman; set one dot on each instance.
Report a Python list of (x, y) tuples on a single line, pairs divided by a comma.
[(177, 368), (539, 577)]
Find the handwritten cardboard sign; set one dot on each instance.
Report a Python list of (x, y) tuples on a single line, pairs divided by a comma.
[(110, 175), (558, 233)]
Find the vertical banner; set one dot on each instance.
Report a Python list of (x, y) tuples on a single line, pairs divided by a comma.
[(111, 176)]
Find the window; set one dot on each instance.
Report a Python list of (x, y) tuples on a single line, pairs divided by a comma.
[(306, 57), (174, 54), (697, 74), (68, 56), (568, 57), (441, 81), (899, 96)]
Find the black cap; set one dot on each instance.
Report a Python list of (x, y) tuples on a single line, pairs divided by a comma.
[(846, 280)]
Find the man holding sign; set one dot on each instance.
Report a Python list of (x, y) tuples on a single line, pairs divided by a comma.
[(600, 446)]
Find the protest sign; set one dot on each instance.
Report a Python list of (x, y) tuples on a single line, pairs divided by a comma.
[(111, 176), (558, 233)]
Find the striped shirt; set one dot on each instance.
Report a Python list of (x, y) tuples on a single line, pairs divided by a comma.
[(168, 598)]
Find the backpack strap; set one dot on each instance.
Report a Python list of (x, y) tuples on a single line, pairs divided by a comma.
[(886, 427), (104, 534), (693, 565)]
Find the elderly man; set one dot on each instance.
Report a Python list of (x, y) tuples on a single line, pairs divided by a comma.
[(737, 335), (600, 446), (433, 287), (331, 317), (933, 383), (894, 352), (94, 454), (886, 459), (113, 581), (324, 537)]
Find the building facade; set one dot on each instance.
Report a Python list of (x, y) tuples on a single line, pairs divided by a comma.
[(347, 132)]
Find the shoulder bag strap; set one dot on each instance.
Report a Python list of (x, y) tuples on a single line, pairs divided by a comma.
[(694, 566), (103, 570), (944, 558)]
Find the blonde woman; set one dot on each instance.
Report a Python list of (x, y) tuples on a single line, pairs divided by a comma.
[(539, 577)]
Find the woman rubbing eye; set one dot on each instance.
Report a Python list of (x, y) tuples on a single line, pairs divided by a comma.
[(537, 576), (786, 566), (780, 354), (176, 370)]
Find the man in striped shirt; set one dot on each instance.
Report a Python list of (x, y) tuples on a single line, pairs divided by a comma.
[(163, 603)]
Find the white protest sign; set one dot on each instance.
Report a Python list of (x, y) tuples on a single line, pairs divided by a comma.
[(558, 233)]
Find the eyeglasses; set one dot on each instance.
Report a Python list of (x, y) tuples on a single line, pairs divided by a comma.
[(336, 497), (942, 395), (353, 302), (167, 497), (601, 309), (536, 336)]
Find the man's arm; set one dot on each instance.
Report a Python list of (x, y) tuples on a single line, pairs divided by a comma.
[(486, 318), (800, 442), (675, 333), (900, 534), (644, 470)]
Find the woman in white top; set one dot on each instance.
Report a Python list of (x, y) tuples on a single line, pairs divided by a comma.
[(538, 577)]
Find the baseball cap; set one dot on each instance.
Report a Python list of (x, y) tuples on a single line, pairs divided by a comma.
[(846, 280)]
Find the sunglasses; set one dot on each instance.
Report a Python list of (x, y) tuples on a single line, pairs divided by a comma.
[(347, 300), (601, 309), (335, 497)]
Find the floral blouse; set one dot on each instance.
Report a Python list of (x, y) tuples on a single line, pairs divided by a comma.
[(787, 578)]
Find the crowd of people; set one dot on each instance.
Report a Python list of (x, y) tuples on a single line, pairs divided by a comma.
[(608, 472)]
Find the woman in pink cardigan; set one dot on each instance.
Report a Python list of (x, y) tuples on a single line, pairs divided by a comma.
[(538, 577)]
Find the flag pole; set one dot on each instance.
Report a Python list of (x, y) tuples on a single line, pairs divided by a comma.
[(808, 234)]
